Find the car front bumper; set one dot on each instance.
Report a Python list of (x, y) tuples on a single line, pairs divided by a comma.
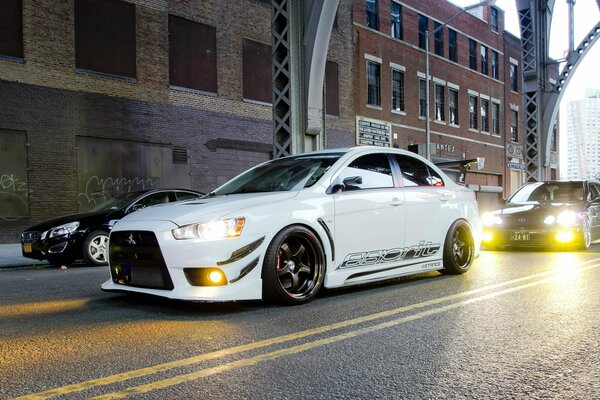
[(532, 237), (144, 257)]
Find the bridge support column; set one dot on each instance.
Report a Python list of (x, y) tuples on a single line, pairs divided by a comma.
[(301, 31)]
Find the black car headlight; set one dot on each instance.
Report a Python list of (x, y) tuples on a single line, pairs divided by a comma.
[(61, 230)]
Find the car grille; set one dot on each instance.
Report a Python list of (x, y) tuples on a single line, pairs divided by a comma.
[(517, 222), (30, 237), (136, 260)]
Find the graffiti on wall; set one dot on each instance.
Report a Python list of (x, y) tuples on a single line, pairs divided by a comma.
[(14, 187), (108, 167)]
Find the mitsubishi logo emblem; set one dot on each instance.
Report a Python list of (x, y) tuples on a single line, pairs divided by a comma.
[(130, 239), (522, 219)]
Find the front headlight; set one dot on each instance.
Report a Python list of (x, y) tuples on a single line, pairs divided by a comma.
[(221, 229), (63, 229), (490, 219), (567, 218), (549, 219)]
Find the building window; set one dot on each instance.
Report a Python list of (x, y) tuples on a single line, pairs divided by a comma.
[(11, 28), (397, 31), (495, 71), (422, 98), (485, 116), (440, 103), (514, 130), (332, 102), (495, 119), (473, 54), (105, 37), (192, 55), (472, 112), (452, 47), (423, 27), (373, 84), (484, 60), (453, 106), (372, 17), (514, 82), (438, 39), (494, 19), (256, 70), (397, 90)]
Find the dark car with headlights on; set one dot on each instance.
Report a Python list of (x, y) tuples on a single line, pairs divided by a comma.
[(553, 214), (85, 235)]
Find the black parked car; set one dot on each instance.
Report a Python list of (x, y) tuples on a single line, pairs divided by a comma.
[(85, 235), (555, 214)]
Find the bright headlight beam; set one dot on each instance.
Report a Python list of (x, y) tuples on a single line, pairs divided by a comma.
[(212, 230), (567, 218)]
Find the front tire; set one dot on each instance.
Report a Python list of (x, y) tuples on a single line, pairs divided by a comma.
[(586, 236), (294, 267), (95, 248), (459, 248)]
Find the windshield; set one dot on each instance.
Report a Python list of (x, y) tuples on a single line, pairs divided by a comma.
[(286, 174), (117, 202), (549, 192)]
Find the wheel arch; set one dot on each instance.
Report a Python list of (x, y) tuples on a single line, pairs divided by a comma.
[(325, 244)]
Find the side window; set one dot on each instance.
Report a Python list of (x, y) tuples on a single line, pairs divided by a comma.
[(185, 196), (154, 199), (417, 173), (373, 169)]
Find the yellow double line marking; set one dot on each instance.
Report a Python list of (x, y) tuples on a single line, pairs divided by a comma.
[(542, 278)]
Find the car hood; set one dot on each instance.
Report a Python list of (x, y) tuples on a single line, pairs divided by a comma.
[(209, 208), (65, 219), (538, 208)]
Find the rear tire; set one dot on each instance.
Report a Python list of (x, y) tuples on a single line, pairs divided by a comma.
[(95, 248), (459, 248), (294, 267)]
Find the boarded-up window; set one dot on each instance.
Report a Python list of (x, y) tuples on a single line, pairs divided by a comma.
[(107, 167), (332, 103), (11, 28), (105, 37), (257, 71), (14, 188), (192, 55)]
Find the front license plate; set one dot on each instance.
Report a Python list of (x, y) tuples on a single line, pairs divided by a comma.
[(27, 248), (520, 236)]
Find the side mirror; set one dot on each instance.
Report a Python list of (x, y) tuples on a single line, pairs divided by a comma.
[(137, 207), (353, 181)]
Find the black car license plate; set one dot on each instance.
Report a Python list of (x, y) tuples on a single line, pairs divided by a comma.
[(520, 236)]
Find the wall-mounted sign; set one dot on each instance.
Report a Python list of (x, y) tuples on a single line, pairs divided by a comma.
[(514, 150), (516, 166), (373, 132)]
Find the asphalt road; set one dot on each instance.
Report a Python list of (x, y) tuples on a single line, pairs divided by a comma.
[(517, 325)]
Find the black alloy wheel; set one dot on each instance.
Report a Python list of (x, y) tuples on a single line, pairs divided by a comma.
[(459, 249), (294, 266)]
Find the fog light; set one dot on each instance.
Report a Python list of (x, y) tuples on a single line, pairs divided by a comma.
[(564, 237), (206, 276), (215, 276), (487, 237)]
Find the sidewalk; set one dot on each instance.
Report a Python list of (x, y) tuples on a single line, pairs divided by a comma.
[(10, 256)]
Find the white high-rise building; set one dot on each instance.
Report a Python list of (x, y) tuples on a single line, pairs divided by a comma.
[(583, 137)]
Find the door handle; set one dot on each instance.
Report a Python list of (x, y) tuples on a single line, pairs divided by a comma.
[(446, 196), (396, 202)]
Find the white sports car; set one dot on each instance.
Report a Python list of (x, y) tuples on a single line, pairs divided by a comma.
[(286, 228)]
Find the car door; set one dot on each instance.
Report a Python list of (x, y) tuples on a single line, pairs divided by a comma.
[(425, 197), (369, 217)]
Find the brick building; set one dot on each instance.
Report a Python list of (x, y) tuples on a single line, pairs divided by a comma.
[(103, 96), (475, 85)]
